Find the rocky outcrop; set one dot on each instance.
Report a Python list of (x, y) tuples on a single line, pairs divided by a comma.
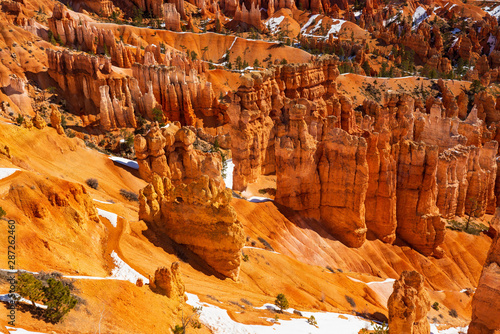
[(39, 122), (197, 215), (325, 180), (250, 17), (171, 17), (408, 305), (168, 282), (55, 119), (485, 308), (169, 152), (419, 222)]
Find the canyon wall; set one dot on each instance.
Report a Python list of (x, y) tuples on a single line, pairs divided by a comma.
[(388, 170)]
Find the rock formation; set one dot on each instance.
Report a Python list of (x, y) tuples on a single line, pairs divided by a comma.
[(485, 310), (168, 281), (39, 122), (169, 152), (324, 180), (171, 17), (197, 215), (408, 305), (55, 119)]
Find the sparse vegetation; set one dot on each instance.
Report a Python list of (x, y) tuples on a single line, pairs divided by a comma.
[(53, 293), (380, 328), (129, 195), (266, 244), (20, 119), (281, 302), (92, 183), (453, 313), (312, 321), (192, 320), (435, 306), (350, 301), (2, 212), (474, 228)]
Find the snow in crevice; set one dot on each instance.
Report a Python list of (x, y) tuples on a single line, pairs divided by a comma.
[(112, 217), (126, 162), (311, 20), (6, 172), (492, 42), (419, 16), (495, 12), (17, 330), (124, 271), (335, 28), (228, 180), (7, 298)]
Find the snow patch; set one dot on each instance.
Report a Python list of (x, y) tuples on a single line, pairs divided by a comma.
[(112, 217), (492, 42), (124, 271), (228, 180), (335, 28), (311, 20), (17, 330), (126, 162), (418, 17), (7, 298), (103, 202), (6, 172), (273, 24), (257, 199), (495, 12)]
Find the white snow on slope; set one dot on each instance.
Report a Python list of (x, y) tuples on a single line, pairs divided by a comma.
[(6, 172), (257, 199), (495, 12), (335, 28), (311, 19), (228, 180), (6, 298), (127, 162), (124, 271), (219, 322), (492, 42), (112, 217), (104, 202), (273, 24), (17, 330), (419, 16)]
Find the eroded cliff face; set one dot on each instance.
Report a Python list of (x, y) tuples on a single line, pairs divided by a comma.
[(408, 305), (197, 215), (324, 179), (391, 169), (485, 309)]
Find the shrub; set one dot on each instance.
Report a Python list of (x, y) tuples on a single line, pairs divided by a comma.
[(312, 321), (246, 301), (281, 302), (350, 300), (381, 329), (54, 294), (265, 243), (2, 212), (58, 299), (435, 306), (453, 313), (20, 119), (129, 195), (92, 183), (245, 258)]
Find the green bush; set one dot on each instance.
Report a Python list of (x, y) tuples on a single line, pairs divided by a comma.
[(281, 302), (54, 294), (381, 329), (312, 321), (435, 306), (2, 212)]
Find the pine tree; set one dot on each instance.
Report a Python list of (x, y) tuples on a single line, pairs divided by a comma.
[(281, 302)]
